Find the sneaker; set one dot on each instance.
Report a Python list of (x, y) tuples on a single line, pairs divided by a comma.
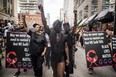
[(90, 70), (25, 70), (17, 74)]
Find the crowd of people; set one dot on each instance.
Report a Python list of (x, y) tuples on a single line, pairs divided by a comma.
[(56, 46)]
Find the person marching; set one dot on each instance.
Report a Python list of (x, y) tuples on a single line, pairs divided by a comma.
[(70, 42), (48, 51), (19, 29), (59, 47), (37, 48)]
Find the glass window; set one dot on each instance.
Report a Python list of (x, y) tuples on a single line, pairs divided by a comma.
[(81, 1), (80, 14), (94, 6), (105, 4), (86, 11)]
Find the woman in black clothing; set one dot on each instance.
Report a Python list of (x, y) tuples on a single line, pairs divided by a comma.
[(37, 48), (59, 48)]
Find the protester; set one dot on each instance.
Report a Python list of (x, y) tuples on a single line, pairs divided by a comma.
[(109, 38), (48, 51), (91, 69), (37, 48), (20, 29), (59, 47), (1, 42), (70, 42)]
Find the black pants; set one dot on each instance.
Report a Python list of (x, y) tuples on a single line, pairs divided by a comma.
[(47, 56), (37, 62), (67, 71)]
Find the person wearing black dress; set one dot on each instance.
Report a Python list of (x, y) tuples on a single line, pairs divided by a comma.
[(59, 47)]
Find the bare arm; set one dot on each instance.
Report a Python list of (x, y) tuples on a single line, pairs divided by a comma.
[(44, 19), (44, 52), (25, 25)]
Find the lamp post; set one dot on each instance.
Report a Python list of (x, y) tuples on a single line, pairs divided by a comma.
[(75, 20), (115, 19)]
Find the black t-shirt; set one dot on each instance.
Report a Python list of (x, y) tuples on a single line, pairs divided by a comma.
[(37, 43)]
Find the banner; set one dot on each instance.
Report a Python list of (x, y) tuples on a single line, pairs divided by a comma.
[(114, 49), (17, 51), (97, 49)]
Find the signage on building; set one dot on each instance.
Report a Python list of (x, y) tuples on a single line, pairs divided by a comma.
[(97, 49), (17, 52)]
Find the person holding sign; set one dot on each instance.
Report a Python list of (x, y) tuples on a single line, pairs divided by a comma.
[(37, 48), (20, 29), (59, 47)]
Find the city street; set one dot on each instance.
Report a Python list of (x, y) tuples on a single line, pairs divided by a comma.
[(81, 70)]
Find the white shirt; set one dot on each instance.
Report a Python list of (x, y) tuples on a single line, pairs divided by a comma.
[(48, 40)]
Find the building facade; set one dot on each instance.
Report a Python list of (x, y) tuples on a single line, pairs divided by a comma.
[(68, 11), (29, 6), (30, 18), (8, 10), (87, 8), (48, 19)]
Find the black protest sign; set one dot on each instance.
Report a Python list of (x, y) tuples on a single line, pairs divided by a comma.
[(17, 52), (114, 49), (97, 49)]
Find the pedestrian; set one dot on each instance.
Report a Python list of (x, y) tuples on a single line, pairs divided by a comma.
[(71, 43), (59, 47), (48, 51), (1, 45), (20, 29), (91, 69), (37, 48), (109, 38)]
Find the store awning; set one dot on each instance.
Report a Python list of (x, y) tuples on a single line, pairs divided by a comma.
[(105, 16), (83, 22), (91, 18), (79, 21)]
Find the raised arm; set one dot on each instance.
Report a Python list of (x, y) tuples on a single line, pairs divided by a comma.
[(24, 23), (40, 7)]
